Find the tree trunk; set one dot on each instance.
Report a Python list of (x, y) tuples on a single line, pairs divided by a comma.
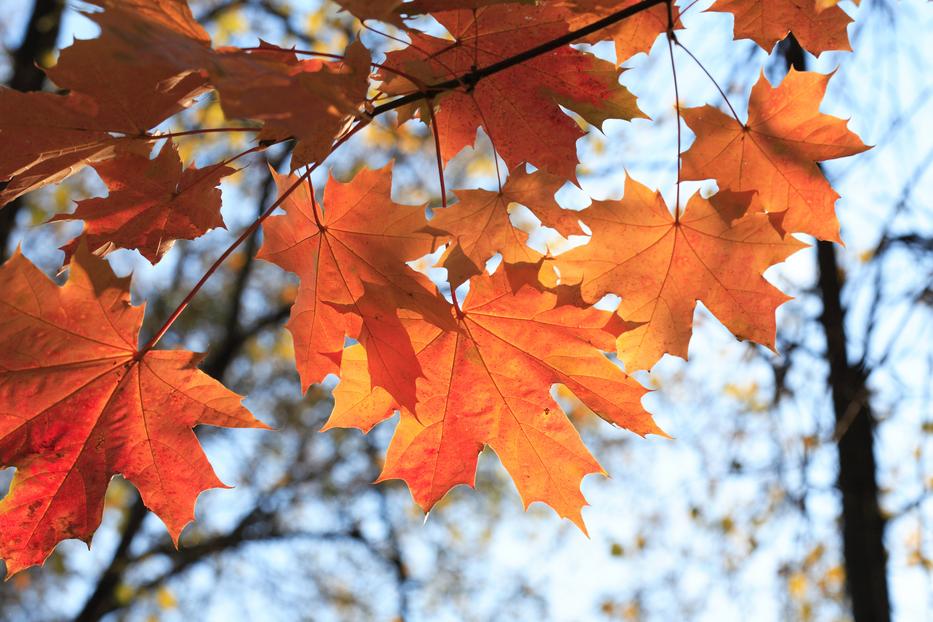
[(862, 522)]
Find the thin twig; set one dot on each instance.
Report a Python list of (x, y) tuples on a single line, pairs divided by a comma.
[(712, 79), (472, 77), (236, 243), (670, 46)]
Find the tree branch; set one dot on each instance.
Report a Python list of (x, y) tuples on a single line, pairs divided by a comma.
[(102, 601), (471, 78)]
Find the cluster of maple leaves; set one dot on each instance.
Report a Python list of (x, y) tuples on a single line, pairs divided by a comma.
[(82, 400)]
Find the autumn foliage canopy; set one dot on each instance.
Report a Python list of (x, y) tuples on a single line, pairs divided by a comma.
[(81, 399)]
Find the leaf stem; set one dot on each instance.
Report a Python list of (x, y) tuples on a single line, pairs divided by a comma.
[(437, 151), (279, 50), (688, 7), (671, 39), (314, 205), (208, 130), (712, 79), (453, 297)]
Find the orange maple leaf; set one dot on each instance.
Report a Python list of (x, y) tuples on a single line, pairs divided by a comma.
[(776, 151), (661, 267), (350, 256), (388, 11), (519, 107), (126, 81), (46, 139), (822, 5), (481, 227), (392, 11), (357, 403), (488, 381), (630, 36), (149, 49), (154, 33), (135, 82), (79, 404), (310, 100), (768, 21), (151, 204)]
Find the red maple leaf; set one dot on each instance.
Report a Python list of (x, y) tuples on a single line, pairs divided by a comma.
[(151, 204), (79, 403), (518, 108)]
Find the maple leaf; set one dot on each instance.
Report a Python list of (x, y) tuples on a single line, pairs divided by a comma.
[(126, 81), (151, 203), (776, 151), (46, 138), (632, 35), (768, 21), (661, 267), (388, 11), (481, 227), (350, 256), (310, 100), (157, 33), (134, 86), (392, 11), (151, 55), (519, 107), (487, 382), (357, 403), (79, 404), (822, 5)]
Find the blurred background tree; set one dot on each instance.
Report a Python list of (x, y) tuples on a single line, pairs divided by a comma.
[(791, 475)]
